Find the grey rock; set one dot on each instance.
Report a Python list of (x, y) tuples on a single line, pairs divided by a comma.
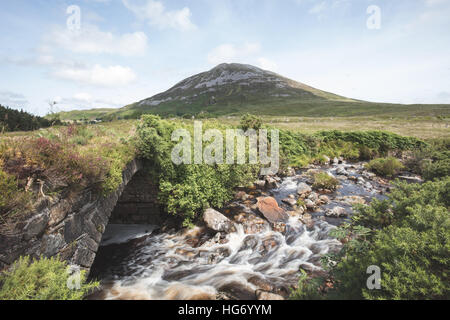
[(303, 189), (313, 197), (271, 182), (216, 221), (324, 199), (52, 244), (36, 225), (260, 184), (83, 257), (309, 204), (336, 212), (263, 295), (290, 201), (341, 171)]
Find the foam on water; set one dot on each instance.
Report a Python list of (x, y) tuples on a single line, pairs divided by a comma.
[(165, 266), (169, 266)]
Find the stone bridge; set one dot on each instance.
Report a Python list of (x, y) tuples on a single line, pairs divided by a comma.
[(72, 225)]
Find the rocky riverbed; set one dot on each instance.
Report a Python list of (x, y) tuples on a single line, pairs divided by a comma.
[(252, 249)]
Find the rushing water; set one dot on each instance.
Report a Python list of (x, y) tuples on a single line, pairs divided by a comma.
[(196, 264)]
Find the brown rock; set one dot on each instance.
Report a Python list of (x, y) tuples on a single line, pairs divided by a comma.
[(263, 295), (269, 208)]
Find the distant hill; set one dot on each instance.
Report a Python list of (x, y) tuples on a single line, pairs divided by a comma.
[(15, 120), (84, 115), (233, 89)]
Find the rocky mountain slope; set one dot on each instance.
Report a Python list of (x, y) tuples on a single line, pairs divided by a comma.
[(228, 88), (234, 89)]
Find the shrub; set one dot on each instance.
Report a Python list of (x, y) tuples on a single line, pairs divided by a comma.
[(56, 157), (437, 169), (44, 279), (340, 148), (407, 236), (185, 190), (249, 121), (8, 190), (323, 180), (375, 140), (385, 167), (308, 289)]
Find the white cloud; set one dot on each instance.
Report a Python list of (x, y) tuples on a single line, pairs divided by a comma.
[(322, 8), (12, 99), (432, 3), (82, 96), (267, 64), (156, 14), (318, 8), (111, 76), (232, 53), (90, 39)]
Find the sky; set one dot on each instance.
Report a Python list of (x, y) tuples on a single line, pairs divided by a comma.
[(86, 54)]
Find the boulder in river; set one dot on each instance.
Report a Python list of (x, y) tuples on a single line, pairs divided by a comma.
[(289, 172), (260, 184), (340, 171), (314, 197), (309, 204), (324, 199), (290, 201), (268, 206), (264, 295), (271, 182), (241, 195), (336, 212), (303, 189), (217, 221)]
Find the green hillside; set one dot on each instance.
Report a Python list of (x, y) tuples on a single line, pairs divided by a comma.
[(234, 89)]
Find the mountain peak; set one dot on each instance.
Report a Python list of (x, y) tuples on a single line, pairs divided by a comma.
[(236, 67), (232, 84)]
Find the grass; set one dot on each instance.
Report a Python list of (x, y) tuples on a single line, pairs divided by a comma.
[(385, 167), (323, 180), (66, 157), (43, 279), (107, 146), (419, 127), (84, 114)]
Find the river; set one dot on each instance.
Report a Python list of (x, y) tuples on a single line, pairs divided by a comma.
[(139, 262)]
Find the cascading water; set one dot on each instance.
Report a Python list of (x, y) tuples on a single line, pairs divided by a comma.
[(196, 264)]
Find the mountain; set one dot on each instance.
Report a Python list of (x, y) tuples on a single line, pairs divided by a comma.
[(228, 89), (234, 89)]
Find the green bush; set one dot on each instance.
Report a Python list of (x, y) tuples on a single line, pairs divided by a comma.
[(185, 190), (12, 199), (308, 289), (249, 121), (437, 169), (340, 148), (43, 279), (323, 180), (385, 167), (375, 140), (407, 236), (8, 190)]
